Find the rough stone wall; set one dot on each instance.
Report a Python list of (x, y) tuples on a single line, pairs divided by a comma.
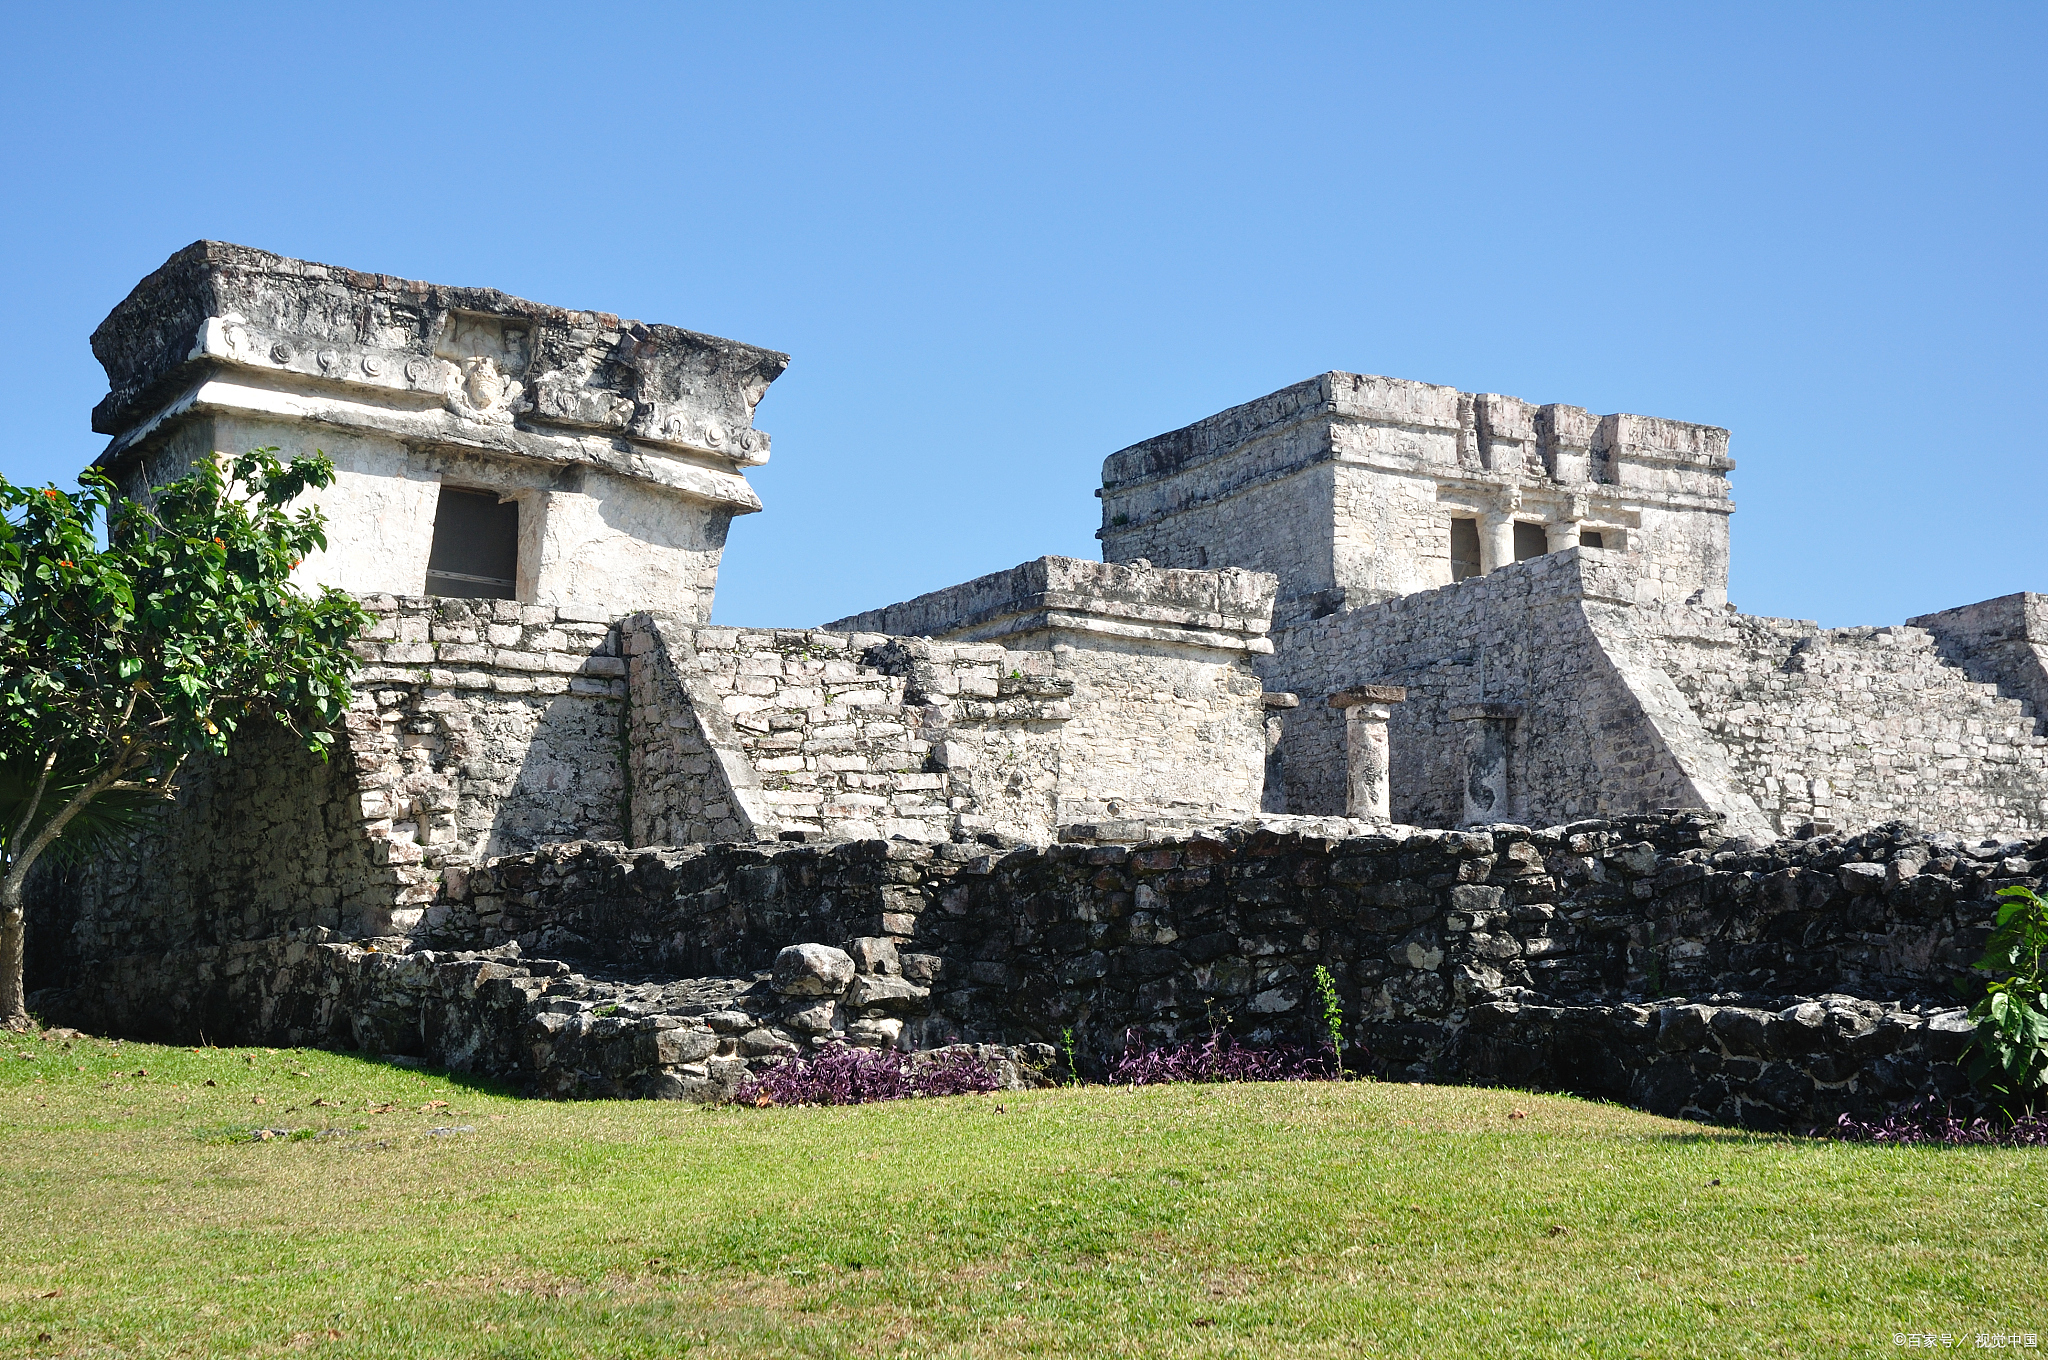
[(477, 728), (739, 734), (2002, 642), (1236, 526), (1626, 705), (1851, 726), (534, 1022), (1165, 722), (1158, 734), (498, 726), (691, 781), (481, 727), (263, 842), (1637, 959), (1393, 536), (744, 734)]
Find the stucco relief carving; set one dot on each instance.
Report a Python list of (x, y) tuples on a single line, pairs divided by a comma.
[(484, 393)]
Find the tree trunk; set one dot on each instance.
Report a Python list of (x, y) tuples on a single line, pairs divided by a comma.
[(13, 942), (13, 1000)]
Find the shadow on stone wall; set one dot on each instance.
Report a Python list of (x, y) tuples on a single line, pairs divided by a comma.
[(1644, 960)]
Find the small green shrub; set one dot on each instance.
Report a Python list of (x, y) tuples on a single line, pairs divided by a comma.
[(2008, 1054), (1067, 1047), (1333, 1016)]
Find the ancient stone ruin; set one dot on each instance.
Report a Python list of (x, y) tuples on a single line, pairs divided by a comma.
[(1439, 691)]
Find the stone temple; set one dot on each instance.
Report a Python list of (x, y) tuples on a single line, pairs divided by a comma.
[(573, 823)]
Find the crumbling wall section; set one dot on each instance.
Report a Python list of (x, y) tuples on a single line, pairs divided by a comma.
[(476, 728), (1847, 727)]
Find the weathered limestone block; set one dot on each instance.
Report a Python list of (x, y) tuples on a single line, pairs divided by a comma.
[(813, 970)]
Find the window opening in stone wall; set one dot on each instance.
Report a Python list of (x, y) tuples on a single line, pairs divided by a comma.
[(1530, 541), (1464, 549), (1590, 538), (476, 547)]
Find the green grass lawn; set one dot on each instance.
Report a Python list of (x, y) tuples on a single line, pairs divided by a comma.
[(1277, 1220)]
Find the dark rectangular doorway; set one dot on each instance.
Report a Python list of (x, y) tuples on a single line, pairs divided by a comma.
[(476, 547), (1464, 549)]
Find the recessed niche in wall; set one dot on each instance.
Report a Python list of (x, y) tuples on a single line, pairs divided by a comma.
[(1529, 541), (476, 546)]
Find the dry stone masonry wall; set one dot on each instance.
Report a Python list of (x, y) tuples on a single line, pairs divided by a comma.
[(1852, 726), (1646, 960), (478, 727)]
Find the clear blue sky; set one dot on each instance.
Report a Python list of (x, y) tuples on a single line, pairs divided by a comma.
[(1003, 241)]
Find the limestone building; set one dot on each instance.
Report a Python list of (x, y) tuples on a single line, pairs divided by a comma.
[(1544, 587), (1333, 625), (485, 446), (532, 503), (1547, 589), (1356, 489)]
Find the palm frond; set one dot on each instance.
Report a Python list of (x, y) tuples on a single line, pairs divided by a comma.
[(100, 827)]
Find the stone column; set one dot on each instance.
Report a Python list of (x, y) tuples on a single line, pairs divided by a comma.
[(1561, 535), (1496, 541), (1484, 772), (1368, 791)]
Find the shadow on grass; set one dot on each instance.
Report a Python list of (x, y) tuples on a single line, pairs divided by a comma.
[(467, 1081)]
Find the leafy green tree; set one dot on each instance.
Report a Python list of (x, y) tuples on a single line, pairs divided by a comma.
[(2008, 1053), (120, 663)]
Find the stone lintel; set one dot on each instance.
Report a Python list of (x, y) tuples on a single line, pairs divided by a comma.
[(1368, 694), (1277, 699), (1484, 712)]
